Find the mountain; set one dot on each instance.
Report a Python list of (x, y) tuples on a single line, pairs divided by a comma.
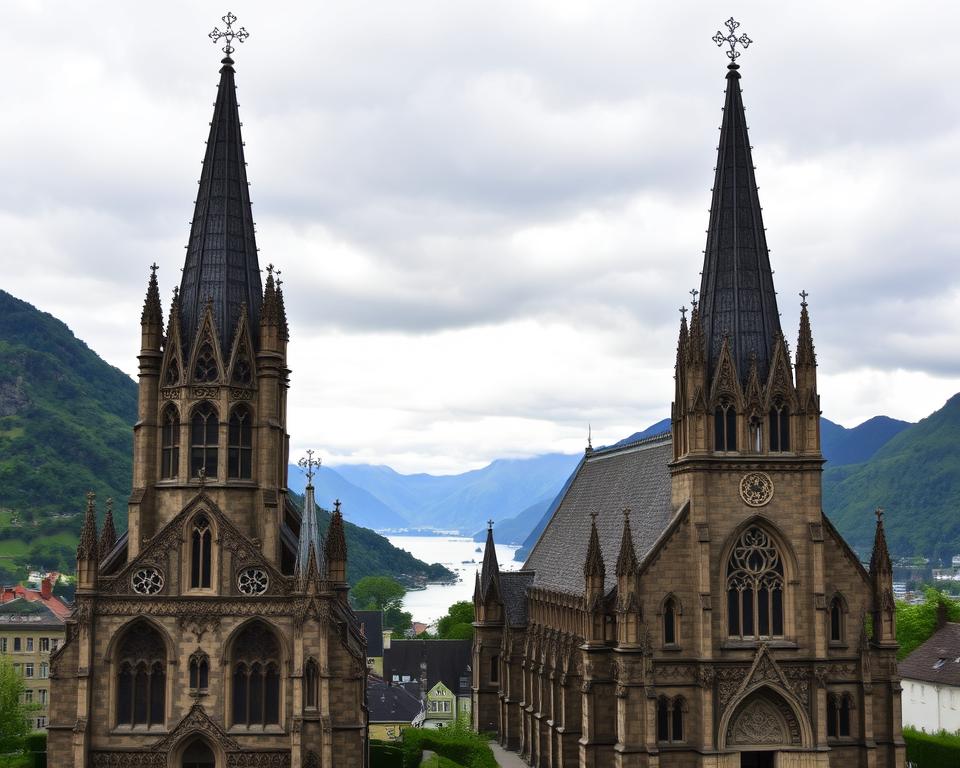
[(514, 530), (852, 446), (654, 429), (465, 501), (65, 428), (915, 477)]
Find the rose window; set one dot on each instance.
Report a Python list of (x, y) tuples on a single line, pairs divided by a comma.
[(253, 581), (147, 581)]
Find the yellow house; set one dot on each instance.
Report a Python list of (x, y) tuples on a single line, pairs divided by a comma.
[(29, 633), (393, 707)]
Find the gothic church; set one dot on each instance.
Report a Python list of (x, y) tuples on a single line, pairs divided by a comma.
[(215, 631), (688, 603)]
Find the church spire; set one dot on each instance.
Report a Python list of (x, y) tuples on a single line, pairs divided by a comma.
[(736, 290), (87, 554), (221, 263), (491, 568), (309, 562), (881, 574), (627, 559), (336, 547), (108, 534)]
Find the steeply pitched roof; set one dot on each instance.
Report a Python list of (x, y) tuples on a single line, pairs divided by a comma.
[(736, 289), (23, 612), (513, 590), (607, 481), (309, 538), (371, 622), (491, 568), (924, 663), (221, 261), (390, 703), (447, 660)]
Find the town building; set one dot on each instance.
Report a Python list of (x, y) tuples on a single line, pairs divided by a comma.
[(42, 594), (371, 625), (29, 632), (215, 631), (393, 707), (442, 668), (689, 603), (931, 681)]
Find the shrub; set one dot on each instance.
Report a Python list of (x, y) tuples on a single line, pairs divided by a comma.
[(385, 755), (932, 750), (457, 743)]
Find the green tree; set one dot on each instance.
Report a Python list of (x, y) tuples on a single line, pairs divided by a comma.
[(916, 623), (13, 712), (377, 593), (458, 623)]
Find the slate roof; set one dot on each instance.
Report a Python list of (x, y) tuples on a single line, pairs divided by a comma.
[(371, 623), (924, 663), (221, 261), (513, 590), (447, 661), (390, 703), (736, 290), (608, 480)]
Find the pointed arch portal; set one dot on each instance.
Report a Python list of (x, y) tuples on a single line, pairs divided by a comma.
[(198, 754)]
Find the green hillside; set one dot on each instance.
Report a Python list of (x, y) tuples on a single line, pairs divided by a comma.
[(915, 477), (65, 428)]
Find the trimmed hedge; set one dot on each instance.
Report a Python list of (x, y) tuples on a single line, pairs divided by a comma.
[(385, 755), (456, 743), (932, 750)]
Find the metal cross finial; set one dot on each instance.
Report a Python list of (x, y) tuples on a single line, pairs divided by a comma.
[(803, 298), (490, 524), (683, 312), (693, 297), (308, 464), (732, 40), (336, 506), (879, 514), (626, 513), (279, 281), (270, 269), (229, 35), (589, 436), (154, 267), (593, 516)]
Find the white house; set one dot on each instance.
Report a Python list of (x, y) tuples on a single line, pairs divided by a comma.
[(931, 682)]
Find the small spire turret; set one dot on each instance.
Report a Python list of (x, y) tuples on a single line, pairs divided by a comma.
[(593, 567), (490, 570), (108, 534), (881, 575), (627, 559), (87, 554), (152, 311), (336, 550)]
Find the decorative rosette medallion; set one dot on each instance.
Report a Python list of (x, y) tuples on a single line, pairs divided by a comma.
[(756, 488)]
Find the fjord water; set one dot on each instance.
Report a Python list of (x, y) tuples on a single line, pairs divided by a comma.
[(458, 553)]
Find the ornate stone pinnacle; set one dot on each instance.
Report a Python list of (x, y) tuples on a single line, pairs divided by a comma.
[(732, 40), (229, 35)]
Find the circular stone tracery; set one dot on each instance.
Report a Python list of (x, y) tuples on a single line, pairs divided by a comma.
[(756, 489), (253, 581), (147, 581)]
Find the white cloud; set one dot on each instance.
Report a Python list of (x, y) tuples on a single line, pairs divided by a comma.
[(488, 213)]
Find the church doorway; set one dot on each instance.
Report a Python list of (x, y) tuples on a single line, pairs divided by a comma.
[(199, 755), (758, 759)]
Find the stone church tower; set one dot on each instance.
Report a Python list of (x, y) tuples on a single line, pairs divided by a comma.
[(215, 632), (688, 603)]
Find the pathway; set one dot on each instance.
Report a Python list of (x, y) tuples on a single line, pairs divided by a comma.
[(506, 759)]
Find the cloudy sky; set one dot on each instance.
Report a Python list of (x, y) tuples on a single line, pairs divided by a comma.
[(488, 213)]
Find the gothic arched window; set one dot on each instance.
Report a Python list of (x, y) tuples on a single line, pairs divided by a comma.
[(256, 676), (755, 584), (311, 685), (240, 444), (670, 719), (172, 377), (839, 706), (141, 677), (201, 552), (204, 440), (779, 427), (169, 443), (205, 370), (669, 622), (725, 426), (836, 620), (199, 671)]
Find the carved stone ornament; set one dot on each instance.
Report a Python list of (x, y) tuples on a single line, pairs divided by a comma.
[(756, 489), (128, 760), (199, 624), (758, 723), (170, 393), (196, 721), (253, 581), (201, 393), (147, 581)]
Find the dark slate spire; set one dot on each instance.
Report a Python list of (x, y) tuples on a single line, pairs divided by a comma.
[(108, 534), (880, 566), (152, 311), (593, 564), (627, 560), (736, 290), (805, 350), (491, 568), (221, 259), (310, 552), (336, 546)]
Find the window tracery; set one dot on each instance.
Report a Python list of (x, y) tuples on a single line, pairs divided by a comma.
[(240, 447), (725, 426), (755, 583), (172, 377), (256, 677), (836, 620), (311, 684), (670, 719), (170, 443), (147, 581), (253, 581), (839, 707), (199, 671), (670, 621), (204, 440), (141, 677), (205, 369), (779, 426), (201, 552)]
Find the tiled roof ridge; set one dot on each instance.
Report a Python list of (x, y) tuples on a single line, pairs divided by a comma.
[(651, 440)]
